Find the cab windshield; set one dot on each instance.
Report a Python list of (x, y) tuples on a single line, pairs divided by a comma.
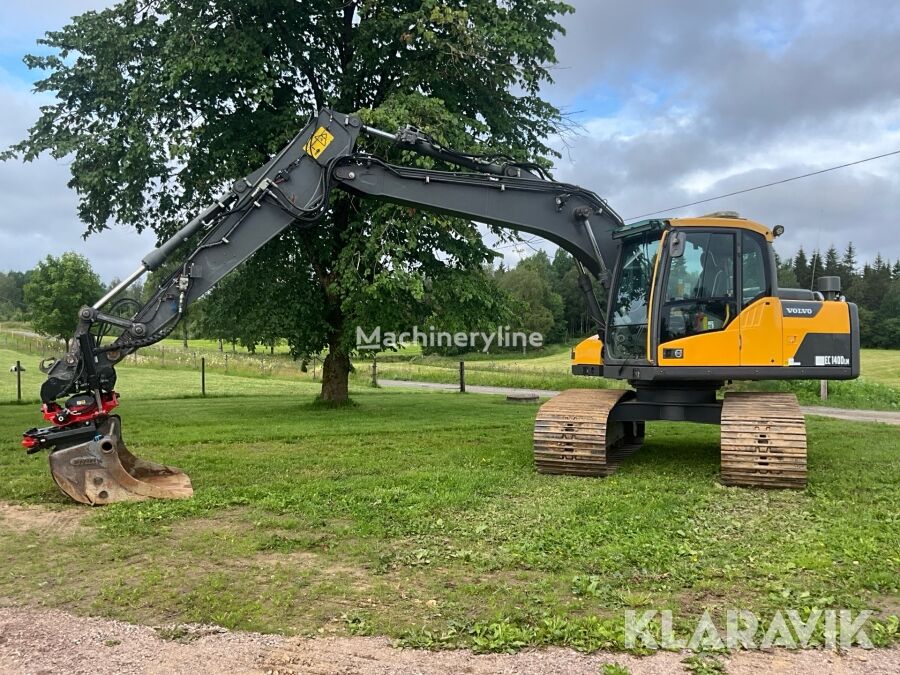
[(626, 334)]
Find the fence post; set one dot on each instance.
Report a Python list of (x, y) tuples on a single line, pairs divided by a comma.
[(315, 361), (823, 390), (19, 381), (203, 376), (462, 377), (374, 371), (226, 363)]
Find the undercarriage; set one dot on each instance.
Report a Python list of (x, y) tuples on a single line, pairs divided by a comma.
[(589, 432)]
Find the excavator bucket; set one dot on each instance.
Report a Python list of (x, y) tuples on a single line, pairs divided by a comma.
[(103, 471)]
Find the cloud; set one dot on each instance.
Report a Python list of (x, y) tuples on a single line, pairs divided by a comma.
[(677, 101), (39, 214), (719, 96)]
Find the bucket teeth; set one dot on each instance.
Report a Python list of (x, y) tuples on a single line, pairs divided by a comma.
[(763, 441), (572, 434), (103, 471)]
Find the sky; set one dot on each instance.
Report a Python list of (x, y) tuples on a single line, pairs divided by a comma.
[(672, 103)]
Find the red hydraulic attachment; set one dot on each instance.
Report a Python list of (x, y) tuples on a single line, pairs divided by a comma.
[(78, 409)]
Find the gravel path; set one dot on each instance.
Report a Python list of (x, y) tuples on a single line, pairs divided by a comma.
[(883, 416), (44, 641)]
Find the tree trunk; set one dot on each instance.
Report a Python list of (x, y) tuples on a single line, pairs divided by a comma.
[(336, 366), (335, 373)]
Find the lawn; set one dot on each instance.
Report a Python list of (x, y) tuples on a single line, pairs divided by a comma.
[(141, 382), (882, 365), (547, 368), (419, 516)]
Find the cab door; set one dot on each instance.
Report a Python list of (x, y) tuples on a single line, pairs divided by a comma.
[(697, 318), (761, 327)]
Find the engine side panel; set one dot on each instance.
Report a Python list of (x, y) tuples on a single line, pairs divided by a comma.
[(770, 339), (761, 330), (715, 348), (817, 334)]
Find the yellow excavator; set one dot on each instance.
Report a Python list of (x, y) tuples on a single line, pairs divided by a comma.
[(694, 304), (691, 304)]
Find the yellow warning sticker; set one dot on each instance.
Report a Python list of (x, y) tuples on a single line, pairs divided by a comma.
[(317, 143)]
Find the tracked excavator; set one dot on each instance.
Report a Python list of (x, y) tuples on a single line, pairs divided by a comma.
[(691, 304)]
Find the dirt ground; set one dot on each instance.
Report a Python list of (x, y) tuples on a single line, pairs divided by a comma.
[(41, 641), (22, 518)]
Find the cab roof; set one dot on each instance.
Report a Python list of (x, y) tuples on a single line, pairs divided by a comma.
[(725, 219), (716, 220)]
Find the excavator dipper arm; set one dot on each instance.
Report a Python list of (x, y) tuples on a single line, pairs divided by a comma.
[(88, 458)]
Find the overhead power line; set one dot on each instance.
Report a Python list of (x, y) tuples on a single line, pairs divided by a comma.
[(766, 185)]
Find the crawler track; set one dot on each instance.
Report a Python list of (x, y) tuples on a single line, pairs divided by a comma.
[(572, 436), (763, 441)]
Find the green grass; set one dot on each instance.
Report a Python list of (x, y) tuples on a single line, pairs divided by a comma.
[(548, 368), (490, 373), (142, 382), (419, 516), (882, 366)]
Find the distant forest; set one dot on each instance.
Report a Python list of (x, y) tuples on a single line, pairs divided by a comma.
[(874, 286), (541, 294)]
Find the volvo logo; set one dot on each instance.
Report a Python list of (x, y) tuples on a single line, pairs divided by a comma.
[(801, 310)]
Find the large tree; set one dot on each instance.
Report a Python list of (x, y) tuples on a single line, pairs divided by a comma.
[(160, 103), (55, 289)]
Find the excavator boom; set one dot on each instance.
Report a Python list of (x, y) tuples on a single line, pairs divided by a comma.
[(88, 457)]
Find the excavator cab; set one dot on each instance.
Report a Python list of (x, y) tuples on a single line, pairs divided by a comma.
[(697, 299)]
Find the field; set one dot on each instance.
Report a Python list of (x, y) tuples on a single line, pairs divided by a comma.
[(419, 516), (548, 368)]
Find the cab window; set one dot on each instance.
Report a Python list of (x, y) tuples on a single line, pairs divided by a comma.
[(699, 293), (626, 336), (754, 277)]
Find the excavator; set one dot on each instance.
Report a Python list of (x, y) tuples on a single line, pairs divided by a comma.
[(691, 304)]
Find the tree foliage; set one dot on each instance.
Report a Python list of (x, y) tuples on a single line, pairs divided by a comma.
[(160, 104), (12, 295), (541, 308), (56, 289), (875, 289)]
